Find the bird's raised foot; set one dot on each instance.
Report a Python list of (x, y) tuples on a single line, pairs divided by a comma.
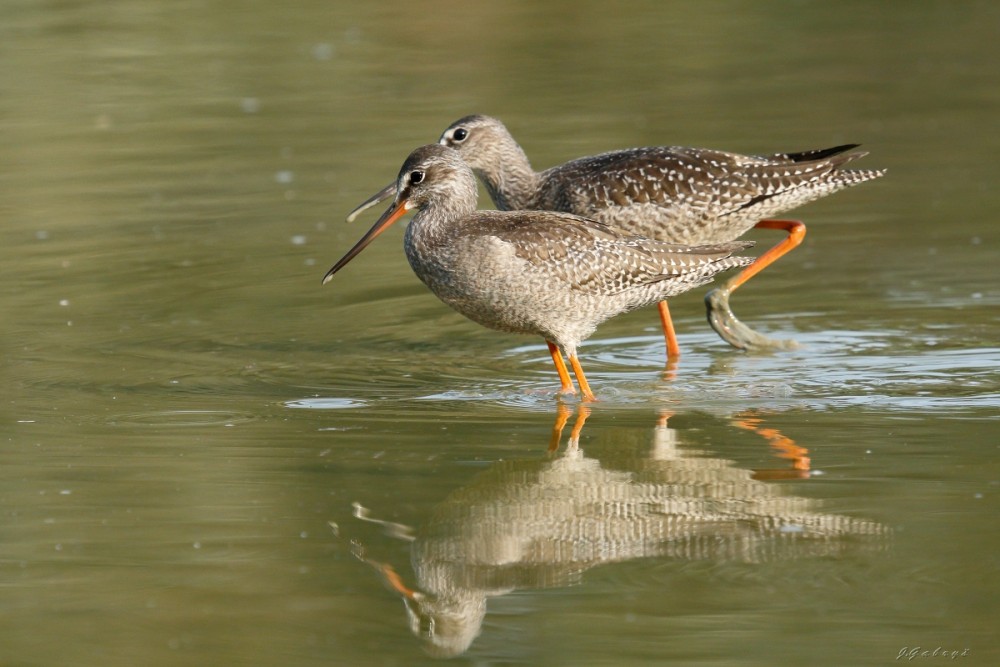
[(734, 332)]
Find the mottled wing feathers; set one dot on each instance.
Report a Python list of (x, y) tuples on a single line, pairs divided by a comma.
[(665, 177), (693, 183), (595, 258)]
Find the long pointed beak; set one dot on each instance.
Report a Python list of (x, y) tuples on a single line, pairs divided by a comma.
[(392, 214), (381, 195)]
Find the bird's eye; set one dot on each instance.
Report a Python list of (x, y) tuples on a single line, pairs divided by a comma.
[(416, 177), (460, 134)]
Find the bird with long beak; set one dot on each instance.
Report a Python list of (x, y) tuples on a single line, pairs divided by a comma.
[(676, 194), (555, 275)]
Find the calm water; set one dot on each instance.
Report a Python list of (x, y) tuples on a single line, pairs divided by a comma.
[(209, 459)]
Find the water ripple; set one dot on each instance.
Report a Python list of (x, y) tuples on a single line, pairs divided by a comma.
[(325, 403), (182, 418)]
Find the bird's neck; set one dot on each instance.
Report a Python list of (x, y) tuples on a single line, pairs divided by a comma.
[(438, 220), (430, 240), (510, 180)]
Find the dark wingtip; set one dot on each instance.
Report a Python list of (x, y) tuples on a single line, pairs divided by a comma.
[(820, 153)]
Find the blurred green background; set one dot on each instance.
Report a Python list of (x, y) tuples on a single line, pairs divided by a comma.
[(187, 411)]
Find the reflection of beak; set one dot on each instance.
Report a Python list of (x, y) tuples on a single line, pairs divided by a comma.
[(392, 214), (382, 194)]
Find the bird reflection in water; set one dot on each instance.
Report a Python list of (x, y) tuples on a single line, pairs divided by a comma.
[(542, 523)]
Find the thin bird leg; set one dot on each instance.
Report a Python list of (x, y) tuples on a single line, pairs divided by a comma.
[(673, 349), (796, 232), (567, 384), (581, 379), (721, 316)]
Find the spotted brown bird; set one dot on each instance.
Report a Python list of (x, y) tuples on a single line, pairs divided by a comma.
[(668, 193), (552, 274)]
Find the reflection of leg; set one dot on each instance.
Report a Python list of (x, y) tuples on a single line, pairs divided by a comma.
[(395, 582), (784, 447), (389, 575), (664, 439), (562, 416), (720, 314), (581, 419)]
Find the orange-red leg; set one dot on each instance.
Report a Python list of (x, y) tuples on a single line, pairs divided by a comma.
[(721, 316), (581, 379), (796, 232), (567, 384), (673, 349)]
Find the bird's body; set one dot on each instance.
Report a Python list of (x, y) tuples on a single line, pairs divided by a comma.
[(551, 274), (554, 275), (683, 195), (667, 193)]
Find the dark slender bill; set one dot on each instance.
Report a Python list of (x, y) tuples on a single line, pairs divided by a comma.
[(392, 214)]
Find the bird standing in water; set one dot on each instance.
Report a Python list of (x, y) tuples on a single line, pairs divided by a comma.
[(552, 274), (668, 193)]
